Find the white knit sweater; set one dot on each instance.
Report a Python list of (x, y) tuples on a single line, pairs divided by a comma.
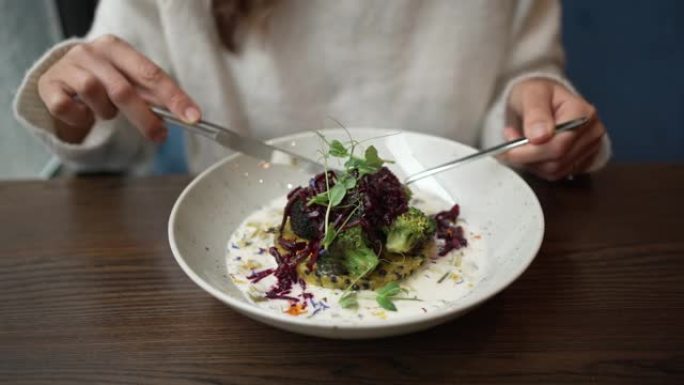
[(438, 66)]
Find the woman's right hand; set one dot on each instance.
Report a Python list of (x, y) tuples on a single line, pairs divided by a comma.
[(103, 77)]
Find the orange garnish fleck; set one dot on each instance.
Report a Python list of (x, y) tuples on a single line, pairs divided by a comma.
[(296, 309)]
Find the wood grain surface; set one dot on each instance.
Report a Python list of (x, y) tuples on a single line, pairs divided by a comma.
[(90, 293)]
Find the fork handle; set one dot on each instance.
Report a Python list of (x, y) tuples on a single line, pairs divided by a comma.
[(492, 151)]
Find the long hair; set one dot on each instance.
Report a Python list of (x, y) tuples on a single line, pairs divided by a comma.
[(236, 18)]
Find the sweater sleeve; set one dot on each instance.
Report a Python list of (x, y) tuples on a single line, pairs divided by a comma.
[(113, 145), (535, 51)]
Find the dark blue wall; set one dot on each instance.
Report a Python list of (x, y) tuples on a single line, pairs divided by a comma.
[(627, 57)]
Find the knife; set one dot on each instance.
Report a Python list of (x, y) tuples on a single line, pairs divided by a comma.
[(248, 146)]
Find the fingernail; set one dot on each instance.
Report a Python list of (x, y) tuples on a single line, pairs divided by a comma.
[(538, 131), (192, 114)]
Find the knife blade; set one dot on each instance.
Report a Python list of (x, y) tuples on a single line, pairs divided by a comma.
[(248, 146)]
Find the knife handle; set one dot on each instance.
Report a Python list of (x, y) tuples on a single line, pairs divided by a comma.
[(203, 128)]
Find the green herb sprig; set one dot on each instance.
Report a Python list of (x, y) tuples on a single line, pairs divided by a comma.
[(385, 297), (354, 169), (348, 300)]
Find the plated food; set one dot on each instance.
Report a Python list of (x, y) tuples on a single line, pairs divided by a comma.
[(227, 219), (353, 243)]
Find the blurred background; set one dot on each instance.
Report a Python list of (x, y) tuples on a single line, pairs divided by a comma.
[(626, 57)]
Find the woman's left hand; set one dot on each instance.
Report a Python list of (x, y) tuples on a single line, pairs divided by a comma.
[(541, 104)]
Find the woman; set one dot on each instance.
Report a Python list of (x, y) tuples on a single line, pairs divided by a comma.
[(475, 71)]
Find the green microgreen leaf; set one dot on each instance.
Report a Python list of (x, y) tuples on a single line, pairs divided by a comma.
[(360, 165), (348, 181), (337, 149), (319, 199), (349, 300), (352, 163), (390, 290), (372, 158), (369, 164), (386, 295), (365, 170), (386, 303), (336, 194), (328, 238)]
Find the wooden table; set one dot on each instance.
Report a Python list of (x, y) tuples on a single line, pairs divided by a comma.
[(89, 293)]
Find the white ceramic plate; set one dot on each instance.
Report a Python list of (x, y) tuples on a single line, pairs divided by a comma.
[(493, 198)]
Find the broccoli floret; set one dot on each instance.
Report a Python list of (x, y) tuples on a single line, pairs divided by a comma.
[(409, 231), (330, 265), (351, 248)]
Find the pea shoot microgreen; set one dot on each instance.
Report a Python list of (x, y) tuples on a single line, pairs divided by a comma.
[(385, 294), (355, 168), (385, 297), (349, 300)]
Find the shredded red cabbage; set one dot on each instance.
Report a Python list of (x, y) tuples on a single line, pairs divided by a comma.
[(383, 198), (257, 276), (450, 235)]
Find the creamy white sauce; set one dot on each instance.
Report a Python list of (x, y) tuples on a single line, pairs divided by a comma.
[(247, 251)]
